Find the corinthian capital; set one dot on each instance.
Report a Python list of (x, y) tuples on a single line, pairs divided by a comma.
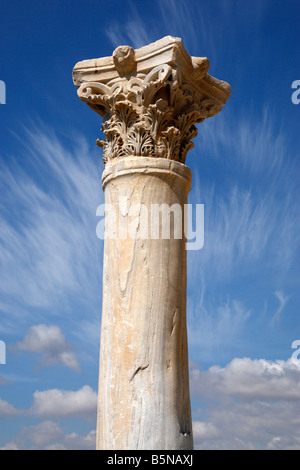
[(150, 98)]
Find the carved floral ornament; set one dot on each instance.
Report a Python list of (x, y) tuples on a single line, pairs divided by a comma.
[(151, 112)]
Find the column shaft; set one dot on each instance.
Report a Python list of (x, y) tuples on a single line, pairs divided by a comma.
[(144, 398)]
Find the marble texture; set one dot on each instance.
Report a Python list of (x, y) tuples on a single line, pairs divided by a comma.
[(150, 100)]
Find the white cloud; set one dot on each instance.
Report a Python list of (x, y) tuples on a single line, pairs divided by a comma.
[(251, 143), (65, 403), (51, 343), (250, 404), (173, 18), (134, 31), (6, 409), (282, 302), (250, 379)]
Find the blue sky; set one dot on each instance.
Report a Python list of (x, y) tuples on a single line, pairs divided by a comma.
[(243, 286)]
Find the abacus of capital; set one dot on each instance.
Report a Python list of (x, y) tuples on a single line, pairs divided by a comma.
[(150, 100)]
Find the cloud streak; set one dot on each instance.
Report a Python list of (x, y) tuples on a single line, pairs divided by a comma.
[(134, 31), (251, 235), (49, 435)]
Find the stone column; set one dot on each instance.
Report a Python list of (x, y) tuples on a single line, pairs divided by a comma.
[(150, 100)]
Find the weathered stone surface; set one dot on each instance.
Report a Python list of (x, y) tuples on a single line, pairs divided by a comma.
[(150, 100)]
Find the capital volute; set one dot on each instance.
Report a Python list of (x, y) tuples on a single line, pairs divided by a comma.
[(150, 98)]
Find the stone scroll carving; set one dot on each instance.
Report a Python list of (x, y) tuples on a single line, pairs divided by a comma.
[(150, 99)]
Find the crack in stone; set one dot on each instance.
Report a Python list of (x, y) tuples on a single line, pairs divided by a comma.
[(139, 369)]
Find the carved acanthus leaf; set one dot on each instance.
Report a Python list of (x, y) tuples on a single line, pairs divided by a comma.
[(138, 142)]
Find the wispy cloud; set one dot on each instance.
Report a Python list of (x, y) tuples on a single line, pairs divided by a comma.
[(252, 214), (282, 302), (251, 234), (172, 18), (213, 328), (50, 342), (241, 229), (48, 230)]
